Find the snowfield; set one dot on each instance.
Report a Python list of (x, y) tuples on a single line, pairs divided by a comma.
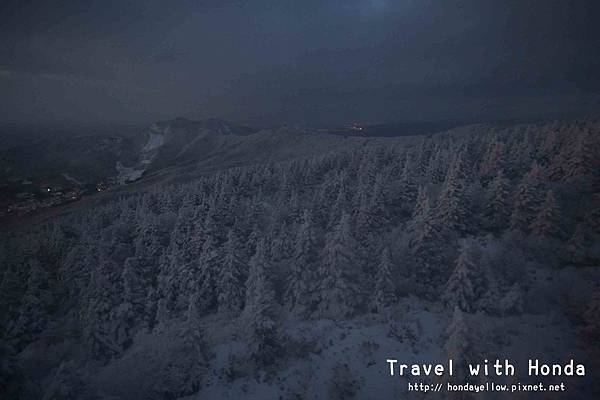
[(297, 277)]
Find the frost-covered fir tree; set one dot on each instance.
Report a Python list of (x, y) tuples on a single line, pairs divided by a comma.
[(457, 345), (453, 206), (528, 199), (384, 294), (426, 247), (340, 205), (407, 190), (193, 332), (75, 269), (183, 372), (163, 313), (547, 221), (126, 314), (97, 317), (436, 170), (362, 213), (134, 289), (231, 283), (341, 292), (252, 239), (497, 208), (580, 157), (260, 309), (421, 209), (577, 245), (35, 303), (493, 160), (206, 282), (300, 291), (378, 213), (423, 157), (512, 301), (465, 285)]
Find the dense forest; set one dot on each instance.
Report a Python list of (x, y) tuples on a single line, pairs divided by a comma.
[(227, 278)]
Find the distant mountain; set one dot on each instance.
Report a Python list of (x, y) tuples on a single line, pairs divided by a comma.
[(181, 149), (162, 150)]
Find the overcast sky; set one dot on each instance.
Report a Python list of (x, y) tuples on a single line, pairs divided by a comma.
[(297, 61)]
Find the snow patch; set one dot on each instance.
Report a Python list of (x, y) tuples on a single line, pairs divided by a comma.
[(128, 174), (156, 139)]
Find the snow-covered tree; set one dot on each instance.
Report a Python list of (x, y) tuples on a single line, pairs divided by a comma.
[(206, 282), (35, 303), (260, 309), (134, 287), (497, 208), (182, 373), (426, 247), (97, 317), (384, 294), (436, 170), (547, 221), (493, 160), (232, 278), (193, 332), (421, 210), (580, 156), (300, 292), (577, 244), (465, 285), (163, 313), (378, 211), (528, 199), (340, 292), (340, 205), (512, 301), (453, 206), (458, 345)]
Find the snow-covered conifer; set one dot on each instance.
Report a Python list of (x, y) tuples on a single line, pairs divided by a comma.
[(300, 290), (206, 282), (577, 244), (465, 285), (385, 288), (497, 209), (457, 345), (97, 316), (35, 302), (232, 278), (527, 199), (493, 160), (547, 221), (421, 210), (512, 301), (452, 210), (259, 312), (341, 291)]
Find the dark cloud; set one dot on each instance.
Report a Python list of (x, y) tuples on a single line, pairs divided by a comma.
[(311, 61)]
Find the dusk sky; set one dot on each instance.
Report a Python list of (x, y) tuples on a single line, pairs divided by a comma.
[(297, 61)]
